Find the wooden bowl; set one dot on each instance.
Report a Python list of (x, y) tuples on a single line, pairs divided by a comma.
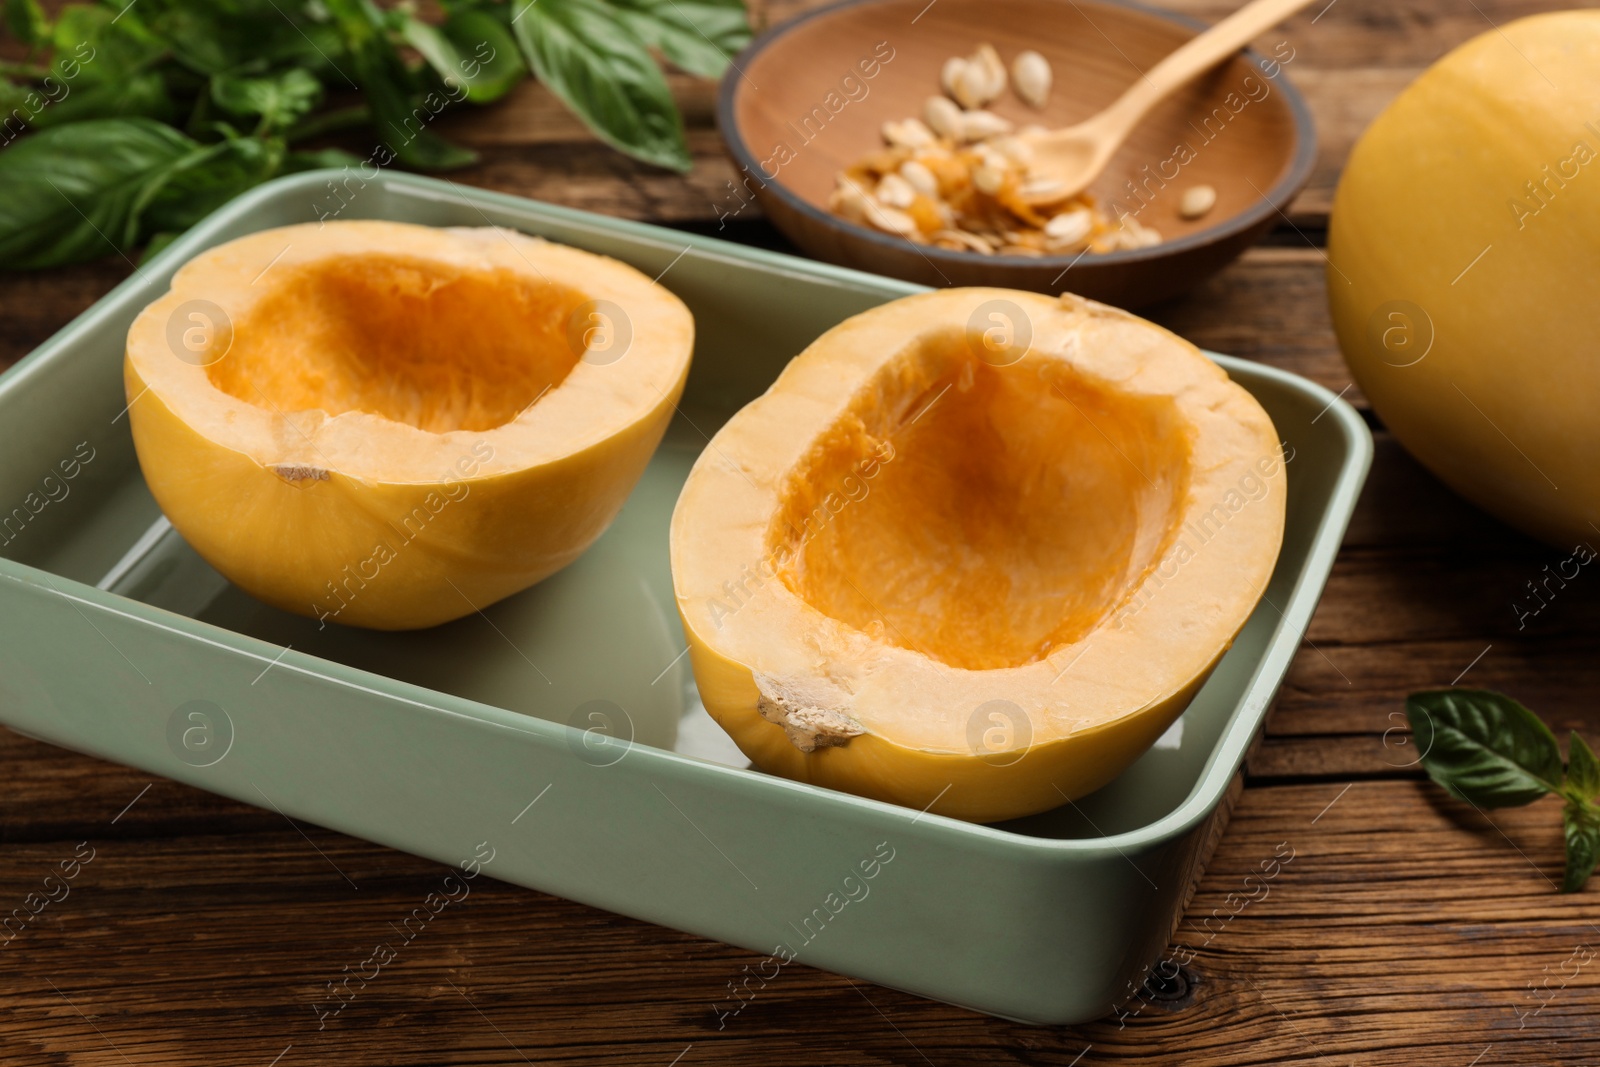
[(808, 98)]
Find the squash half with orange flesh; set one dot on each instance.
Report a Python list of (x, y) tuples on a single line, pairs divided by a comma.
[(975, 550), (392, 426)]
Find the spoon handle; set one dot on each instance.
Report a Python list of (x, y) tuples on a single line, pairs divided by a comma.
[(1197, 56)]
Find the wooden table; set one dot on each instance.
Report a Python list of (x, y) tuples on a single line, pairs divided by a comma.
[(1407, 930)]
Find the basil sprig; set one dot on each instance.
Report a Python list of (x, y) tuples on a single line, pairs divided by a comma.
[(1492, 752), (122, 125)]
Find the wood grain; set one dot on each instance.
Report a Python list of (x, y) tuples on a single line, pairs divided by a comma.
[(1407, 930), (1363, 947)]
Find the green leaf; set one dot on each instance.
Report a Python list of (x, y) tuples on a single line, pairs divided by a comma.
[(26, 22), (402, 126), (246, 36), (136, 96), (1582, 823), (1583, 770), (71, 193), (701, 36), (1484, 747), (105, 68), (489, 49), (279, 99), (99, 38), (335, 158), (603, 72), (14, 98), (205, 180), (156, 245), (473, 50), (400, 120)]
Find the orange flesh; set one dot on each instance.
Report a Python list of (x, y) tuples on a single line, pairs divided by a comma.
[(413, 341), (1005, 524)]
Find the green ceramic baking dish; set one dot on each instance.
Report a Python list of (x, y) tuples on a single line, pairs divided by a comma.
[(560, 728)]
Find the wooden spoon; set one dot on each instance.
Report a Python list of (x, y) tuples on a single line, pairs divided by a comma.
[(1066, 161)]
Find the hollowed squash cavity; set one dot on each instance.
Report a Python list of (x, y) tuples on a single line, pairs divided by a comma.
[(418, 342), (974, 582), (1018, 510)]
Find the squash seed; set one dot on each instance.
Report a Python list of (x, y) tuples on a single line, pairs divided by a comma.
[(1031, 77), (951, 73), (908, 133), (971, 88), (961, 238), (895, 191), (995, 71), (1069, 227), (1196, 201), (988, 178), (920, 177), (922, 186), (889, 219), (982, 125), (944, 117)]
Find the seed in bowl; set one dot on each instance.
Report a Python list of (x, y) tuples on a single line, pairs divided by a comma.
[(1031, 77), (1196, 201), (959, 177), (976, 80)]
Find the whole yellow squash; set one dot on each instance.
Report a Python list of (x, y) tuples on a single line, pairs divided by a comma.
[(1464, 271)]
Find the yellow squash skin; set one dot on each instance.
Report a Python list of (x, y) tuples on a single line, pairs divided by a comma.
[(1463, 273), (1054, 529), (356, 518)]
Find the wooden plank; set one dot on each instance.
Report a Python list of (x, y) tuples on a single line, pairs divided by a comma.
[(1343, 759), (1269, 306), (1555, 676), (35, 304), (1343, 104), (1333, 926), (53, 794), (1426, 594)]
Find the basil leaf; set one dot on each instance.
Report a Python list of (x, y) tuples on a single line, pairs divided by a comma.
[(15, 109), (156, 245), (103, 67), (71, 193), (701, 36), (137, 96), (1583, 770), (279, 99), (403, 127), (321, 159), (200, 183), (26, 22), (493, 62), (473, 50), (1484, 747), (604, 73), (386, 83), (1582, 824), (247, 37), (106, 44)]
